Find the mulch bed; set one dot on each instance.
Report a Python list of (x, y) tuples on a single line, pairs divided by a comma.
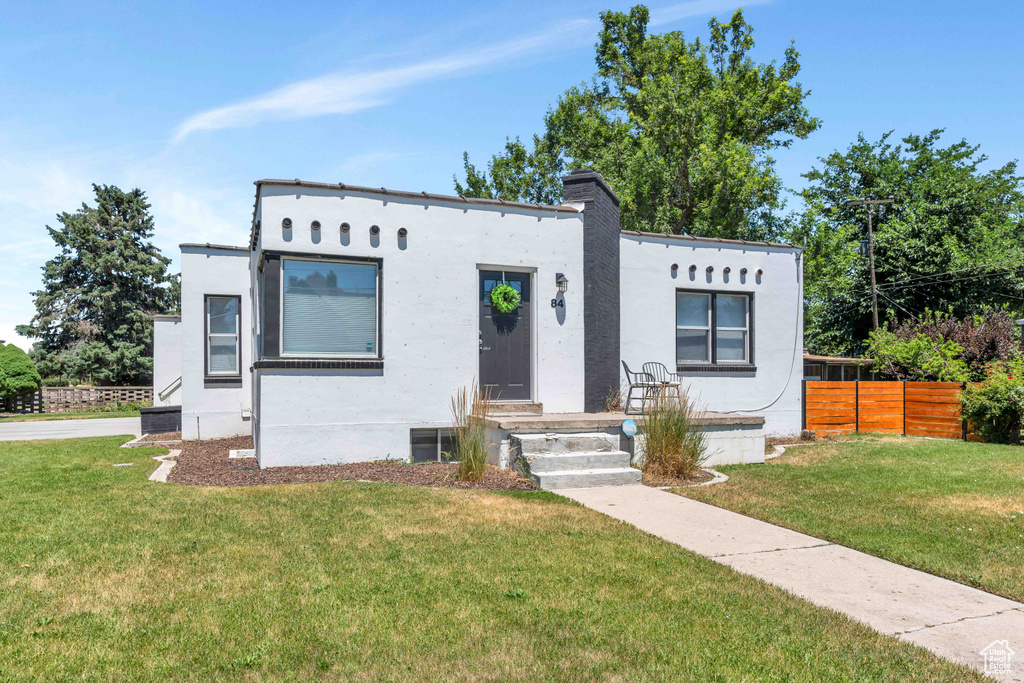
[(208, 464), (162, 436), (700, 477)]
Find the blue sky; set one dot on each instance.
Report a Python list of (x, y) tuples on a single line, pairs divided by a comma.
[(192, 102)]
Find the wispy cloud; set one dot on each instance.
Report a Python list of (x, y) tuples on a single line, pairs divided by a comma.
[(696, 8), (347, 92)]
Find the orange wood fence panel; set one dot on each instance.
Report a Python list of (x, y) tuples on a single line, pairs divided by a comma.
[(911, 408), (831, 407), (933, 409), (880, 407)]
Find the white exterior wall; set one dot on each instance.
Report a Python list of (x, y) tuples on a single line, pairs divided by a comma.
[(648, 320), (430, 318), (221, 410), (167, 360)]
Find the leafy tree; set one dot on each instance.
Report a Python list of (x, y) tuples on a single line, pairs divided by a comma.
[(953, 239), (682, 131), (17, 374), (917, 359), (94, 314)]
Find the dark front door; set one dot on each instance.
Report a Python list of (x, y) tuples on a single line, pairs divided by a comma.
[(505, 339)]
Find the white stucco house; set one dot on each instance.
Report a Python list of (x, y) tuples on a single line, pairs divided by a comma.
[(340, 332)]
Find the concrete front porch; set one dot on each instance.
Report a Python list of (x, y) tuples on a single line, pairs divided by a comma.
[(732, 438)]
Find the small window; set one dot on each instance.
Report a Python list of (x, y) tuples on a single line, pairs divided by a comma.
[(432, 445), (713, 328), (329, 308), (835, 373), (222, 337)]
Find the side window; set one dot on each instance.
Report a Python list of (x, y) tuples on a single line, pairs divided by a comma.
[(713, 328), (222, 336)]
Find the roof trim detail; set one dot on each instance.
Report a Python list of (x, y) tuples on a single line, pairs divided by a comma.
[(713, 240), (416, 195), (254, 234), (222, 247)]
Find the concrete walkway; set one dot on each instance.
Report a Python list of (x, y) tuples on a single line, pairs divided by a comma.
[(70, 429), (948, 618)]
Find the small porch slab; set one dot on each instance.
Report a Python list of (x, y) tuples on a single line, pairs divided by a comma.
[(732, 439), (591, 421)]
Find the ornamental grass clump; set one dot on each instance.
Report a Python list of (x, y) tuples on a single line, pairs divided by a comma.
[(469, 407), (675, 446)]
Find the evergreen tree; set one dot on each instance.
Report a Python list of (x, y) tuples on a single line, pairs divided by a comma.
[(94, 314), (17, 374)]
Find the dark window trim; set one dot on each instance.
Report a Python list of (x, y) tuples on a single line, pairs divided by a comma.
[(738, 368), (221, 378), (273, 311), (714, 366), (318, 364)]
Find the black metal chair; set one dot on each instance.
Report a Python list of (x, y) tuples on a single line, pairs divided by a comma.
[(667, 381), (641, 381)]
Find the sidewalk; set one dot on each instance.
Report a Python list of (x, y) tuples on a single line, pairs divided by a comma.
[(948, 618)]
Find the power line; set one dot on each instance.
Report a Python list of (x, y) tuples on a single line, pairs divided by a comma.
[(944, 281), (947, 272), (894, 303)]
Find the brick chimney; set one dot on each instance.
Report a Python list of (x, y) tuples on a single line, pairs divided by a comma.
[(600, 283)]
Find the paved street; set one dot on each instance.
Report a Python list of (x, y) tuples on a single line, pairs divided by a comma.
[(69, 429)]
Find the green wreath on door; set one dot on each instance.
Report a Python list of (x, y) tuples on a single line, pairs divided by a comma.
[(505, 298)]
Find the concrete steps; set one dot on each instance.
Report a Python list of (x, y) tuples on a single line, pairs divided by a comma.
[(573, 460)]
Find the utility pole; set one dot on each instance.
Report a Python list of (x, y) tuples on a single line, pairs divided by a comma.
[(871, 203)]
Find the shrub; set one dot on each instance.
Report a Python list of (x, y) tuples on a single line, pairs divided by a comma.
[(470, 443), (18, 375), (995, 407), (991, 335), (674, 445), (918, 358)]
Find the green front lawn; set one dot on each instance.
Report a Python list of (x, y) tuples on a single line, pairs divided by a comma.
[(39, 417), (947, 507), (106, 575)]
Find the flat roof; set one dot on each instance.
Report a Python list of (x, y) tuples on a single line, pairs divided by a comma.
[(254, 235), (721, 240), (418, 195), (560, 208), (223, 247), (167, 316)]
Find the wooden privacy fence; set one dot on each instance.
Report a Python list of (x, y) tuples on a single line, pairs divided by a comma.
[(910, 408), (75, 399)]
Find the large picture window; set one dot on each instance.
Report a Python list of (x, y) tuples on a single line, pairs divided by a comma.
[(328, 308), (713, 328), (222, 337)]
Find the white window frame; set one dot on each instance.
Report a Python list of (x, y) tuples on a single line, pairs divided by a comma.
[(377, 301), (237, 372), (708, 329), (745, 329)]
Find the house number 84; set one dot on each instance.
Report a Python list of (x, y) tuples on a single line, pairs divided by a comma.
[(558, 303)]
